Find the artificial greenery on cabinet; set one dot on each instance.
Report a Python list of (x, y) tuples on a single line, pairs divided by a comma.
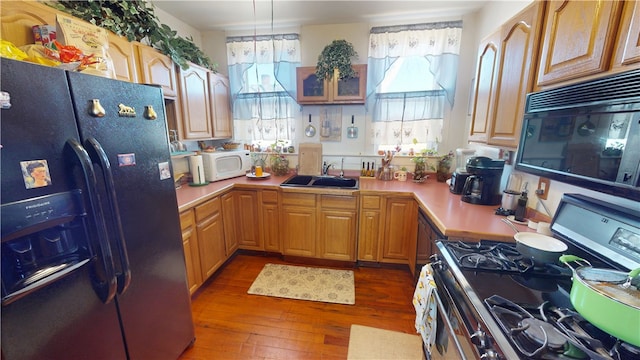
[(336, 55), (136, 21)]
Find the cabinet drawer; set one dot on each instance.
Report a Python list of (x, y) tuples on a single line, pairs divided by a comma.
[(269, 196), (207, 209), (371, 202), (186, 219), (299, 199), (339, 202)]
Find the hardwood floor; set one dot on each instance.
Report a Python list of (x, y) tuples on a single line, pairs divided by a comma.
[(231, 324)]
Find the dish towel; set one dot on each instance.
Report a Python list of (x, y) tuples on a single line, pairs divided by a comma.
[(424, 301)]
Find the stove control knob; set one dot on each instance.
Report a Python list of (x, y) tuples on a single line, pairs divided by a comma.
[(479, 338), (490, 355)]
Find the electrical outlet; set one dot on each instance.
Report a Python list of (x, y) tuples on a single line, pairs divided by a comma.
[(543, 188)]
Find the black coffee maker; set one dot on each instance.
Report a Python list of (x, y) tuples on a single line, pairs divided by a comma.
[(483, 185)]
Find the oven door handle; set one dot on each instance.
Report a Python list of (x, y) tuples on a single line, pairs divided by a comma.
[(445, 317)]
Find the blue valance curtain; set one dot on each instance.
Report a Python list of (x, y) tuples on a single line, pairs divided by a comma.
[(262, 77), (412, 73), (438, 43)]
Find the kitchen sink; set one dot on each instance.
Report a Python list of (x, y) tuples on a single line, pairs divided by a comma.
[(321, 181)]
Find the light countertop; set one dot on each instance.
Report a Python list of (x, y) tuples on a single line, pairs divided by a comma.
[(453, 217)]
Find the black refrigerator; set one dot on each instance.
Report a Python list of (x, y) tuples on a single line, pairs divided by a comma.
[(92, 258)]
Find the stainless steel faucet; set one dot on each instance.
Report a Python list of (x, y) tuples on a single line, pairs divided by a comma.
[(325, 168)]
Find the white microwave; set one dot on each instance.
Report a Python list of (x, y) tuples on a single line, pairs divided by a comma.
[(225, 165)]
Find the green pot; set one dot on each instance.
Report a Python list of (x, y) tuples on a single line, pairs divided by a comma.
[(606, 305)]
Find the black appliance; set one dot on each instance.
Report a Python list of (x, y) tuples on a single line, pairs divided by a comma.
[(493, 303), (586, 134), (458, 179), (92, 258), (483, 185)]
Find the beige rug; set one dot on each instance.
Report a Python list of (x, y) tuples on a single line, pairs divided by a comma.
[(305, 283), (369, 343)]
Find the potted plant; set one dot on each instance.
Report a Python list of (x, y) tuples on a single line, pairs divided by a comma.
[(336, 55), (420, 171), (279, 163), (444, 164), (136, 21)]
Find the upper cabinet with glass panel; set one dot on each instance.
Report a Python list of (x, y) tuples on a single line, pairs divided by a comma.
[(346, 91)]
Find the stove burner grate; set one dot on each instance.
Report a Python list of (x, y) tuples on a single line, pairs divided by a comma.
[(546, 332)]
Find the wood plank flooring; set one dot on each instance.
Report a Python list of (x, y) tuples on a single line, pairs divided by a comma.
[(231, 324)]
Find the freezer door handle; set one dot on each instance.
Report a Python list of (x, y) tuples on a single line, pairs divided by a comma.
[(97, 153), (104, 280)]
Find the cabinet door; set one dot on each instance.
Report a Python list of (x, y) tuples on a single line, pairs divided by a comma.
[(400, 232), (220, 95), (210, 231), (578, 39), (299, 231), (230, 226), (518, 48), (191, 252), (123, 56), (628, 44), (270, 220), (338, 223), (156, 68), (248, 220), (309, 89), (351, 90), (370, 235), (485, 87), (19, 16), (196, 108)]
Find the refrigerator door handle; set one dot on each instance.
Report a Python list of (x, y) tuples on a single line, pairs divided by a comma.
[(106, 284), (100, 157)]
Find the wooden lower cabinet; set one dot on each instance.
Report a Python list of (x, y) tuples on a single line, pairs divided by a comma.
[(388, 229), (338, 223), (191, 252), (270, 217), (248, 222), (211, 237), (319, 226), (400, 230), (370, 227), (299, 224), (229, 220)]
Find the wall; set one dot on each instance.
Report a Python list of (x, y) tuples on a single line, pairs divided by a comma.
[(183, 29)]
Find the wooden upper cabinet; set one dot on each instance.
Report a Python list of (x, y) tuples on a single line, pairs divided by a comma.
[(346, 91), (485, 87), (578, 39), (19, 16), (519, 41), (196, 107), (220, 94), (159, 69), (309, 89), (628, 44), (123, 57)]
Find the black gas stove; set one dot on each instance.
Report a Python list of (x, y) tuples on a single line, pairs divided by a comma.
[(499, 305)]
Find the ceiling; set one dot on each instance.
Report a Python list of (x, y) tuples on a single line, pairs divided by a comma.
[(238, 15)]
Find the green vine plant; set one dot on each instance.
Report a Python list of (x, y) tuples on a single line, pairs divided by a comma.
[(136, 21), (336, 55)]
